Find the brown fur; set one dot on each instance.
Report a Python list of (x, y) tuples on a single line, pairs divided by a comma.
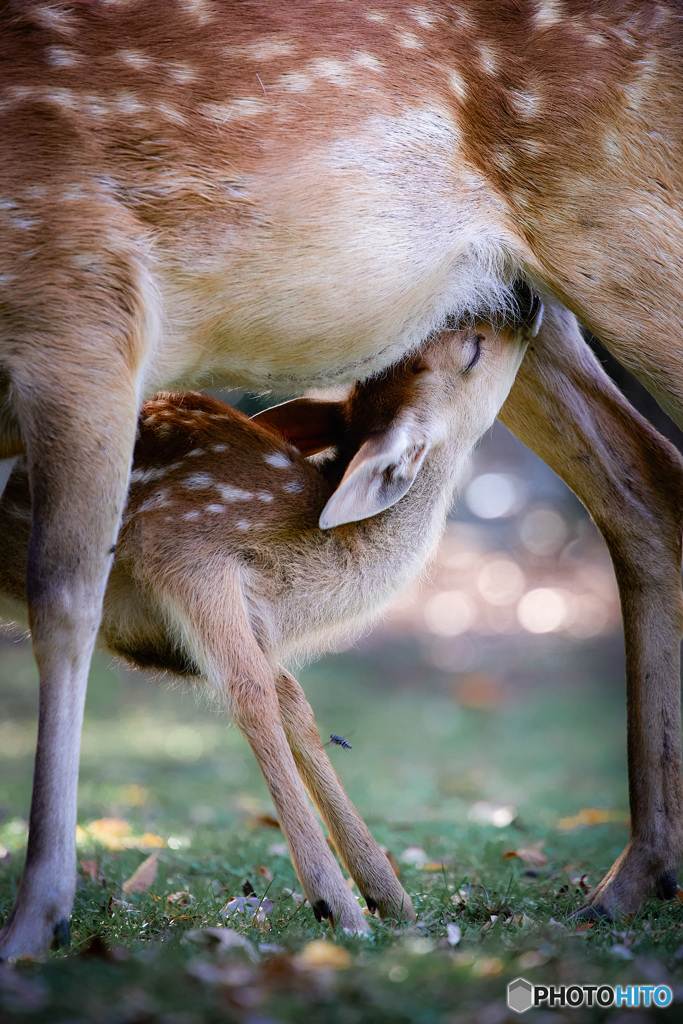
[(280, 194)]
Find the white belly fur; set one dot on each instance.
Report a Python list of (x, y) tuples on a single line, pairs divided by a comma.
[(348, 258)]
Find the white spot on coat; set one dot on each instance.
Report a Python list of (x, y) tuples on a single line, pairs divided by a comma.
[(215, 508), (242, 524), (230, 493), (293, 487), (199, 480), (278, 460)]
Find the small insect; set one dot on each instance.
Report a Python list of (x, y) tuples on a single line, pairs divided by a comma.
[(339, 741)]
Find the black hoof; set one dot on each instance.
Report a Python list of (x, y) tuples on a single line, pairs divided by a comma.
[(321, 909), (667, 885), (372, 906), (61, 935)]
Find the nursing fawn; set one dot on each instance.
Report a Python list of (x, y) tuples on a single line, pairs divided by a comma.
[(236, 551), (284, 194)]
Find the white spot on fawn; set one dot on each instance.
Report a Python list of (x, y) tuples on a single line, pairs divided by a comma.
[(230, 493), (194, 453), (367, 60), (264, 496), (242, 524), (196, 482), (548, 12), (192, 514), (158, 500), (215, 508), (145, 476), (278, 460), (293, 487), (219, 448), (458, 85)]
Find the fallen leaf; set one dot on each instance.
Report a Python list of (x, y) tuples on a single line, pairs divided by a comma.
[(297, 898), (435, 865), (320, 955), (221, 940), (454, 933), (181, 899), (262, 821), (117, 834), (528, 855), (248, 906), (90, 870), (143, 876), (394, 863), (581, 928), (263, 871), (591, 816)]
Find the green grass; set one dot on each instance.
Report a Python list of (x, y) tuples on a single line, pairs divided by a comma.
[(419, 763)]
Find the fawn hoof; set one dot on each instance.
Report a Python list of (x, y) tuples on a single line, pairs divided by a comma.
[(61, 934), (396, 908), (370, 903), (321, 910)]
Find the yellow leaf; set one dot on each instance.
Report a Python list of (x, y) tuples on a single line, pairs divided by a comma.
[(143, 876), (323, 956), (591, 816)]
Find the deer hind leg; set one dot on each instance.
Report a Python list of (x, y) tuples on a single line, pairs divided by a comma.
[(630, 479), (216, 631), (359, 852)]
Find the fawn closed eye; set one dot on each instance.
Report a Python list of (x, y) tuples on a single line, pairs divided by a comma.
[(472, 351)]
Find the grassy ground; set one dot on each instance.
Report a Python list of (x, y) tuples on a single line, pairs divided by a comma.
[(436, 778)]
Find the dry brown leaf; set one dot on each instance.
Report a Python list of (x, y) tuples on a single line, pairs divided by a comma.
[(263, 871), (143, 876), (262, 821), (90, 869), (394, 863), (528, 855)]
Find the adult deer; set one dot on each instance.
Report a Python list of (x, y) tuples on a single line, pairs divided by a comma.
[(281, 194)]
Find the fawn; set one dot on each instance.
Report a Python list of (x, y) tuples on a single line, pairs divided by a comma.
[(290, 193), (236, 552)]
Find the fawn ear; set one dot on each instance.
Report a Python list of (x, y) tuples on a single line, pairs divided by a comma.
[(311, 425), (380, 473)]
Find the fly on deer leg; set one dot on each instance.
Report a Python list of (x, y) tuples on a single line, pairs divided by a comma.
[(362, 857), (630, 479)]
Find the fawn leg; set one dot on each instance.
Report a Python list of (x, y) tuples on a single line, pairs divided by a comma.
[(565, 408), (359, 852), (217, 632)]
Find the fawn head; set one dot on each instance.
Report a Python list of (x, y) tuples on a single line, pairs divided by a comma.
[(441, 399)]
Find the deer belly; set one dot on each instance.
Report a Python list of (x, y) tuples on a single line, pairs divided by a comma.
[(327, 268)]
